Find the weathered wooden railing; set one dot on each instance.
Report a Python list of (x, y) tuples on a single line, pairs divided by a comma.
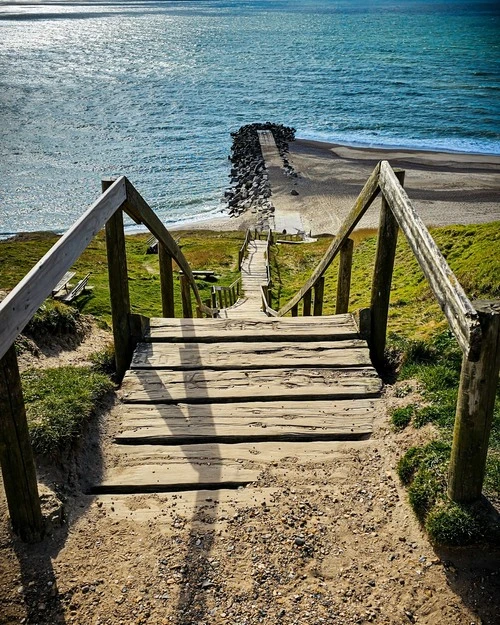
[(476, 326), (20, 305), (244, 247), (226, 296), (266, 289)]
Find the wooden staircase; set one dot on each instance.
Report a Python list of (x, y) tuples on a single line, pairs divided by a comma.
[(202, 395)]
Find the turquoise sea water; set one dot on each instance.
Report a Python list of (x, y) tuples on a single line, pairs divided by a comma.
[(153, 89)]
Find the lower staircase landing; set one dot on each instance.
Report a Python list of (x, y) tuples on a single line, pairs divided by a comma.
[(204, 397)]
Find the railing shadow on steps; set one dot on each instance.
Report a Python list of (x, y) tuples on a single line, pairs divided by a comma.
[(16, 310), (476, 325)]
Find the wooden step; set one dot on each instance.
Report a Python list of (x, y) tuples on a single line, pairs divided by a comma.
[(328, 328), (197, 386), (256, 355), (255, 421)]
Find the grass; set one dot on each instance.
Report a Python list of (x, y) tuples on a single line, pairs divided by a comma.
[(424, 350), (203, 250), (59, 402)]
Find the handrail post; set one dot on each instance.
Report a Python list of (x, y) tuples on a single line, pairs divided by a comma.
[(118, 289), (166, 282), (475, 404), (16, 454), (187, 308), (306, 311), (319, 289), (382, 278), (344, 280), (295, 310)]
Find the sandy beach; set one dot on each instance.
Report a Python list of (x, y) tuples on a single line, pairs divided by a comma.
[(445, 188)]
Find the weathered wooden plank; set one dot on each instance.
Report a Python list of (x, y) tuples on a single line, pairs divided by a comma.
[(174, 477), (475, 406), (254, 456), (382, 278), (363, 202), (460, 313), (268, 384), (341, 327), (137, 414), (24, 300), (240, 355), (240, 429)]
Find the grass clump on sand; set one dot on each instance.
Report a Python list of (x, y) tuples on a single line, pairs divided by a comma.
[(423, 349), (59, 402)]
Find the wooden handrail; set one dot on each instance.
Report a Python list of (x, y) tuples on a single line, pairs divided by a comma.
[(243, 249), (24, 300), (459, 311), (270, 312), (363, 202)]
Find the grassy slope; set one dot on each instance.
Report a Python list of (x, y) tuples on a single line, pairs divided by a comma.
[(203, 249), (430, 354), (472, 252)]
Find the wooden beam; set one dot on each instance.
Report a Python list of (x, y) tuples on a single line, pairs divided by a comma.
[(166, 281), (344, 280), (382, 278), (319, 289), (476, 401), (463, 319), (16, 456), (187, 309), (306, 311), (118, 290), (25, 299), (363, 202)]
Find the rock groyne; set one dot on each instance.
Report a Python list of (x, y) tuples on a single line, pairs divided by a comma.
[(250, 189)]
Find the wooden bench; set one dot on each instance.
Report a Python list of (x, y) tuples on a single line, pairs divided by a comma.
[(202, 273), (152, 244), (62, 285), (76, 290)]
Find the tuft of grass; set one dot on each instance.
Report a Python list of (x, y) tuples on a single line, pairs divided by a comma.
[(53, 318), (59, 402), (103, 361), (401, 417), (452, 524)]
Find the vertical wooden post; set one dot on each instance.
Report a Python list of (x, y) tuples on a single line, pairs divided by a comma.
[(118, 289), (214, 298), (166, 282), (344, 280), (187, 308), (16, 455), (382, 279), (476, 400), (295, 310), (307, 303), (319, 289)]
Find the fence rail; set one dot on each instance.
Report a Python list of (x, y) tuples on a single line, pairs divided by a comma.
[(23, 301), (476, 326)]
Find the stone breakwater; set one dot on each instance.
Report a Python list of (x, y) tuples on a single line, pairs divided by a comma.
[(250, 189)]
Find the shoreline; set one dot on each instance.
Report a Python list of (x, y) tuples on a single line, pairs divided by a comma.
[(445, 187)]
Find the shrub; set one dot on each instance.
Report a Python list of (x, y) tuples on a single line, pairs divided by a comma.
[(103, 361), (59, 402), (423, 492), (452, 524), (53, 318)]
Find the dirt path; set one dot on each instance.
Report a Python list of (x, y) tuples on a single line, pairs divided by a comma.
[(333, 543)]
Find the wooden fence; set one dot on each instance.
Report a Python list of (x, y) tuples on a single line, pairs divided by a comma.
[(16, 310), (476, 325)]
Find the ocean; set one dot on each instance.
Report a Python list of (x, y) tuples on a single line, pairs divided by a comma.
[(152, 90)]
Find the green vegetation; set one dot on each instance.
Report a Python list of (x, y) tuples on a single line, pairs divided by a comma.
[(423, 349), (59, 402), (203, 249)]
